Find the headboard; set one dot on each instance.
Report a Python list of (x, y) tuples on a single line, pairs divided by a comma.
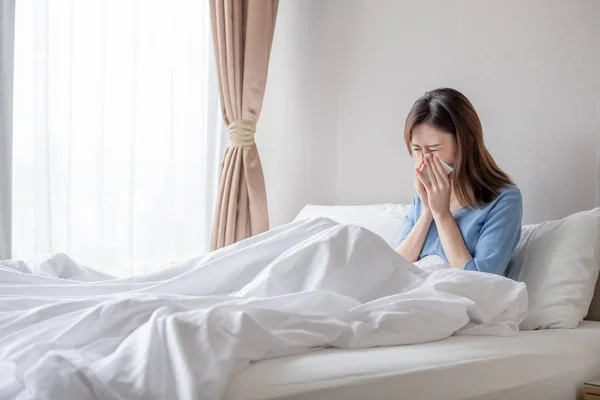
[(594, 312)]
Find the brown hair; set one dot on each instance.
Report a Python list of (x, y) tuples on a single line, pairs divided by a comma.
[(477, 179)]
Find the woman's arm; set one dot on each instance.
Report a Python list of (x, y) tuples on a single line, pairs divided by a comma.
[(500, 234), (438, 190), (414, 233), (452, 240), (497, 241), (410, 247)]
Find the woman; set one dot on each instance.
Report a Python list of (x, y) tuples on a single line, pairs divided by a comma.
[(471, 218)]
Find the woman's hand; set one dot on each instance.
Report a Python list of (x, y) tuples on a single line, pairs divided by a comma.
[(419, 188), (438, 190)]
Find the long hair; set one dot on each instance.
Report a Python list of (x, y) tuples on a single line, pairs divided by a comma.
[(477, 179)]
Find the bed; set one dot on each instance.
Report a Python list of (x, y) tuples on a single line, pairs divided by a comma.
[(543, 364), (536, 364), (244, 322)]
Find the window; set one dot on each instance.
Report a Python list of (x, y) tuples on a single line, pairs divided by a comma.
[(117, 132)]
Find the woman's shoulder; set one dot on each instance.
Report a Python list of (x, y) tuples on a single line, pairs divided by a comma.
[(509, 201), (510, 193)]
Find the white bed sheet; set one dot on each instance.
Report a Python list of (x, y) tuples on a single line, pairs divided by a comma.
[(548, 364)]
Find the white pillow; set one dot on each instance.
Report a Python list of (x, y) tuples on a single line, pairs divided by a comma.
[(559, 262), (386, 220)]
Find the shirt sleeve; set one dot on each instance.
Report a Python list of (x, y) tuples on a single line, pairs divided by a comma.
[(499, 236), (409, 222)]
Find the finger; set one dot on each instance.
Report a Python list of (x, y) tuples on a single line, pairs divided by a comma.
[(419, 164), (423, 180), (441, 172), (431, 171), (439, 179), (420, 187)]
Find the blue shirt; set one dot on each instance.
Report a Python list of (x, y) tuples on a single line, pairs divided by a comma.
[(491, 232)]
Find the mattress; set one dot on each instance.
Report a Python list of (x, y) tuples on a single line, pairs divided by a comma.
[(548, 364)]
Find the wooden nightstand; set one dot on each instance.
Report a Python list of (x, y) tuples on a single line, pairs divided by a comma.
[(591, 390)]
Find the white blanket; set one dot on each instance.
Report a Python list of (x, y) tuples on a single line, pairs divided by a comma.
[(68, 332)]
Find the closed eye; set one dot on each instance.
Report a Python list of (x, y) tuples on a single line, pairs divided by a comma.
[(429, 148)]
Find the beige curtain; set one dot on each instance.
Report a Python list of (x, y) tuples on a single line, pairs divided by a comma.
[(242, 36)]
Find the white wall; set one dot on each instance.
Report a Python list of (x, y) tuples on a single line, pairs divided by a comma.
[(297, 131), (344, 74)]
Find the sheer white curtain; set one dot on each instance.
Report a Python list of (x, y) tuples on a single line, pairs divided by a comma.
[(7, 19), (117, 132)]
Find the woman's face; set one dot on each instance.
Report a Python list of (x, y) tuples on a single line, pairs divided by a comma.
[(427, 139)]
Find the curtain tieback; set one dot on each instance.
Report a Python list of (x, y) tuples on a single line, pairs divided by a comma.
[(241, 133)]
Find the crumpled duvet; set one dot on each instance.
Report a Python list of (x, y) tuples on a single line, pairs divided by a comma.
[(69, 332)]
